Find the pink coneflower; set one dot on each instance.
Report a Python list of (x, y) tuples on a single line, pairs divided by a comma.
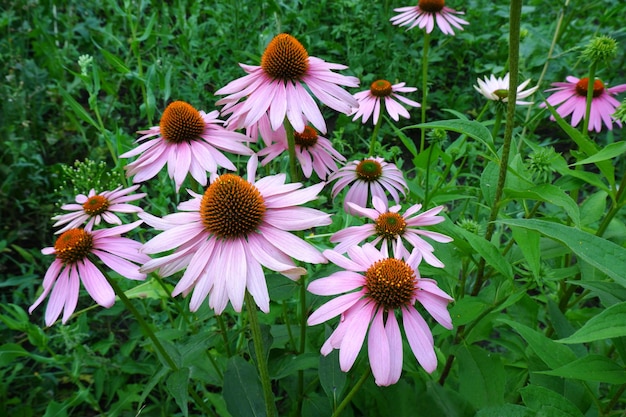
[(313, 151), (497, 89), (188, 141), (376, 287), (382, 91), (370, 176), (277, 87), (93, 208), (426, 13), (73, 265), (390, 227), (572, 98), (224, 237)]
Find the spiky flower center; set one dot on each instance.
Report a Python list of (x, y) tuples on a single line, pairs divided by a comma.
[(369, 170), (95, 205), (181, 122), (431, 6), (307, 138), (381, 88), (390, 225), (73, 245), (582, 86), (390, 282), (231, 207), (285, 58)]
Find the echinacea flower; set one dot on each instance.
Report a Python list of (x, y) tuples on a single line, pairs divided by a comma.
[(383, 92), (497, 89), (189, 142), (313, 151), (374, 288), (93, 208), (277, 87), (571, 97), (371, 176), (75, 250), (392, 227), (426, 13), (224, 237)]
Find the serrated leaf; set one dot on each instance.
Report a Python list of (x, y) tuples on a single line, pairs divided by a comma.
[(603, 254), (489, 252), (528, 242), (550, 194), (177, 383), (242, 389), (591, 368), (481, 376), (608, 152), (608, 324)]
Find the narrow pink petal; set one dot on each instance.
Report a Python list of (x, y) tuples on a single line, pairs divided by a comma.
[(234, 272), (121, 266), (420, 339), (378, 350), (350, 346), (71, 299), (292, 245), (172, 238), (334, 307), (58, 296), (395, 347), (96, 284), (337, 283), (256, 284)]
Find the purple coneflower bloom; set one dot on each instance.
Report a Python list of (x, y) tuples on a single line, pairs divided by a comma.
[(497, 89), (382, 91), (73, 265), (93, 208), (277, 87), (370, 176), (224, 237), (189, 142), (571, 97), (426, 13), (391, 227), (374, 288)]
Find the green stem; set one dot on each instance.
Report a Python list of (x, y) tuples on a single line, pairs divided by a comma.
[(498, 121), (424, 88), (352, 392), (514, 35), (303, 325), (592, 78), (427, 180), (261, 359), (224, 332), (376, 129), (291, 149)]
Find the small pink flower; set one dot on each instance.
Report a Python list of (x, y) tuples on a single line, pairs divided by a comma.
[(371, 176), (277, 88), (571, 97), (426, 13), (374, 288), (382, 92), (93, 208), (390, 227), (189, 142), (313, 151), (74, 251), (224, 238)]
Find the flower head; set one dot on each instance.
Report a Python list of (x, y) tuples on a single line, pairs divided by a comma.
[(74, 251), (313, 151), (188, 141), (600, 48), (277, 87), (224, 237), (497, 89), (382, 91), (93, 208), (391, 227), (571, 97), (426, 13), (374, 288), (369, 176)]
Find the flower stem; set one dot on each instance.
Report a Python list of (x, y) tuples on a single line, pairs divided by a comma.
[(514, 35), (352, 392), (590, 84), (261, 359), (424, 88), (291, 149), (302, 346), (375, 132)]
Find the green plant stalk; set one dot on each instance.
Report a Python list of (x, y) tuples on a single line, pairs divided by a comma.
[(376, 129), (616, 205), (590, 84), (427, 179), (261, 360), (291, 149), (223, 331), (514, 37), (352, 392), (424, 88), (302, 346), (498, 120)]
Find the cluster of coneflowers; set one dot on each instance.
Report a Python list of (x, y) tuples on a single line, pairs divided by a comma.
[(222, 240)]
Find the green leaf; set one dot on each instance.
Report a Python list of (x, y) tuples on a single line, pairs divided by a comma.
[(528, 242), (242, 389), (115, 62), (508, 410), (332, 378), (592, 368), (608, 152), (489, 182), (291, 364), (546, 402), (470, 128), (78, 109), (488, 251), (550, 194), (481, 376), (608, 324), (177, 383), (10, 352), (406, 141), (604, 255)]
